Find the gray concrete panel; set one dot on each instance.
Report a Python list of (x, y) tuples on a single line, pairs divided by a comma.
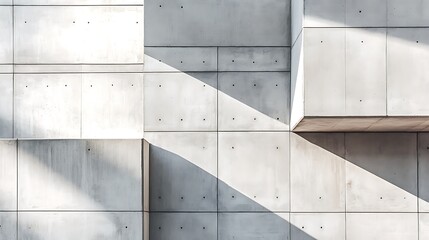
[(325, 13), (112, 106), (253, 171), (297, 19), (8, 176), (381, 172), (407, 61), (214, 23), (408, 13), (80, 175), (375, 226), (317, 172), (423, 158), (321, 226), (47, 34), (180, 101), (253, 226), (253, 101), (174, 59), (47, 106), (6, 34), (80, 225), (6, 105), (183, 171), (254, 59), (78, 2), (5, 2), (366, 13), (8, 225), (365, 72), (324, 68), (183, 226)]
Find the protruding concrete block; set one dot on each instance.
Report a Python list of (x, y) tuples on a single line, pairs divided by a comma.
[(183, 226), (423, 156), (317, 172), (244, 226), (80, 225), (176, 59), (8, 225), (366, 71), (112, 106), (183, 171), (80, 175), (254, 101), (381, 172), (372, 226), (6, 34), (321, 226), (6, 105), (79, 2), (325, 13), (79, 34), (47, 106), (407, 13), (254, 171), (366, 13), (180, 101), (8, 176), (254, 59)]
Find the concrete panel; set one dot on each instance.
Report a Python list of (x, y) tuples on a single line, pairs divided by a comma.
[(8, 225), (253, 226), (374, 226), (183, 226), (214, 23), (321, 226), (253, 171), (324, 71), (61, 34), (408, 13), (6, 105), (297, 19), (407, 60), (78, 68), (78, 2), (183, 171), (381, 172), (5, 2), (80, 175), (423, 158), (297, 82), (317, 172), (6, 34), (47, 106), (366, 13), (112, 106), (254, 101), (8, 164), (325, 13), (254, 59), (174, 59), (180, 101), (366, 72), (80, 225), (423, 226)]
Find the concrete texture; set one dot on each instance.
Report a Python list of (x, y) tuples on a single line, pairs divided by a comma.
[(8, 177), (423, 171), (366, 13), (6, 35), (8, 225), (78, 2), (6, 105), (321, 226)]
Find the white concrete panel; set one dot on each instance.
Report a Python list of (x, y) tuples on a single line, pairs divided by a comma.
[(253, 171), (78, 2), (252, 226), (408, 13), (325, 13), (321, 226), (47, 106), (6, 34), (324, 71), (8, 225), (375, 226), (381, 172), (180, 101), (176, 59), (423, 226), (78, 68), (365, 72), (366, 13), (112, 106), (254, 101), (80, 175), (59, 34), (407, 61), (183, 171), (254, 59), (8, 176), (214, 23), (317, 172), (80, 225), (183, 226), (297, 82), (423, 158), (6, 105), (5, 2)]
